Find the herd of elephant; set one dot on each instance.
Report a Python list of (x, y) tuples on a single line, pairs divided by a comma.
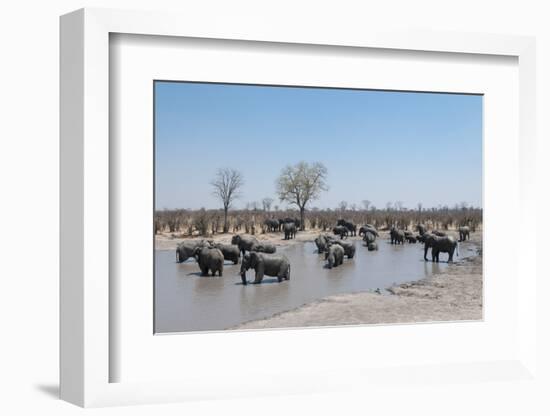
[(256, 255), (265, 260), (288, 226)]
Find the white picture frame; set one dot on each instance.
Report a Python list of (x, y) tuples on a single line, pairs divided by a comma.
[(87, 332)]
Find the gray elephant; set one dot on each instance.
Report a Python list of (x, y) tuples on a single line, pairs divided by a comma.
[(411, 239), (422, 237), (321, 242), (334, 256), (271, 224), (368, 228), (349, 248), (209, 258), (340, 230), (397, 236), (230, 252), (186, 249), (439, 233), (265, 264), (263, 248), (369, 237), (446, 244), (421, 228), (289, 229), (352, 228), (372, 246), (244, 242), (464, 233)]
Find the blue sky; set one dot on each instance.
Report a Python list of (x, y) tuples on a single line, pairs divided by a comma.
[(381, 146)]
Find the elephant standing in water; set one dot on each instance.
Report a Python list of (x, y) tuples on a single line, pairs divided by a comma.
[(369, 237), (265, 264), (411, 239), (289, 229), (186, 249), (263, 248), (349, 248), (397, 236), (244, 242), (372, 246), (322, 243), (464, 233), (439, 244), (421, 228), (368, 228), (230, 252), (209, 258), (334, 256)]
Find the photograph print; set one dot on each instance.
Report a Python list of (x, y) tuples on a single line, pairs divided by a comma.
[(296, 207)]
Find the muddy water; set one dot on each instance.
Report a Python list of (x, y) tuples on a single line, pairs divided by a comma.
[(185, 301)]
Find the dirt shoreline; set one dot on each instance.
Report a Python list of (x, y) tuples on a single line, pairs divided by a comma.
[(455, 295)]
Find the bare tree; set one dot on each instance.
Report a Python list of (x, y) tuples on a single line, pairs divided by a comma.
[(226, 187), (343, 206), (366, 204), (399, 205), (266, 202), (300, 184)]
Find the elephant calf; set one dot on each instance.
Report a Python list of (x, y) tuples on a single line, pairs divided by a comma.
[(411, 239), (265, 264), (334, 256), (372, 246), (230, 252), (209, 258)]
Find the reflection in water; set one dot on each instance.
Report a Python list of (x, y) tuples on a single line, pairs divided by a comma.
[(185, 301)]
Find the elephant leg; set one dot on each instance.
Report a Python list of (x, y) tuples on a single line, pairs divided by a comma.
[(426, 252), (259, 277), (259, 274)]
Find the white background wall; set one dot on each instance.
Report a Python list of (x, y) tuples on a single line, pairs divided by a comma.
[(29, 207)]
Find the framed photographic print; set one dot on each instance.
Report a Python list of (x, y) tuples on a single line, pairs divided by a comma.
[(247, 204)]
